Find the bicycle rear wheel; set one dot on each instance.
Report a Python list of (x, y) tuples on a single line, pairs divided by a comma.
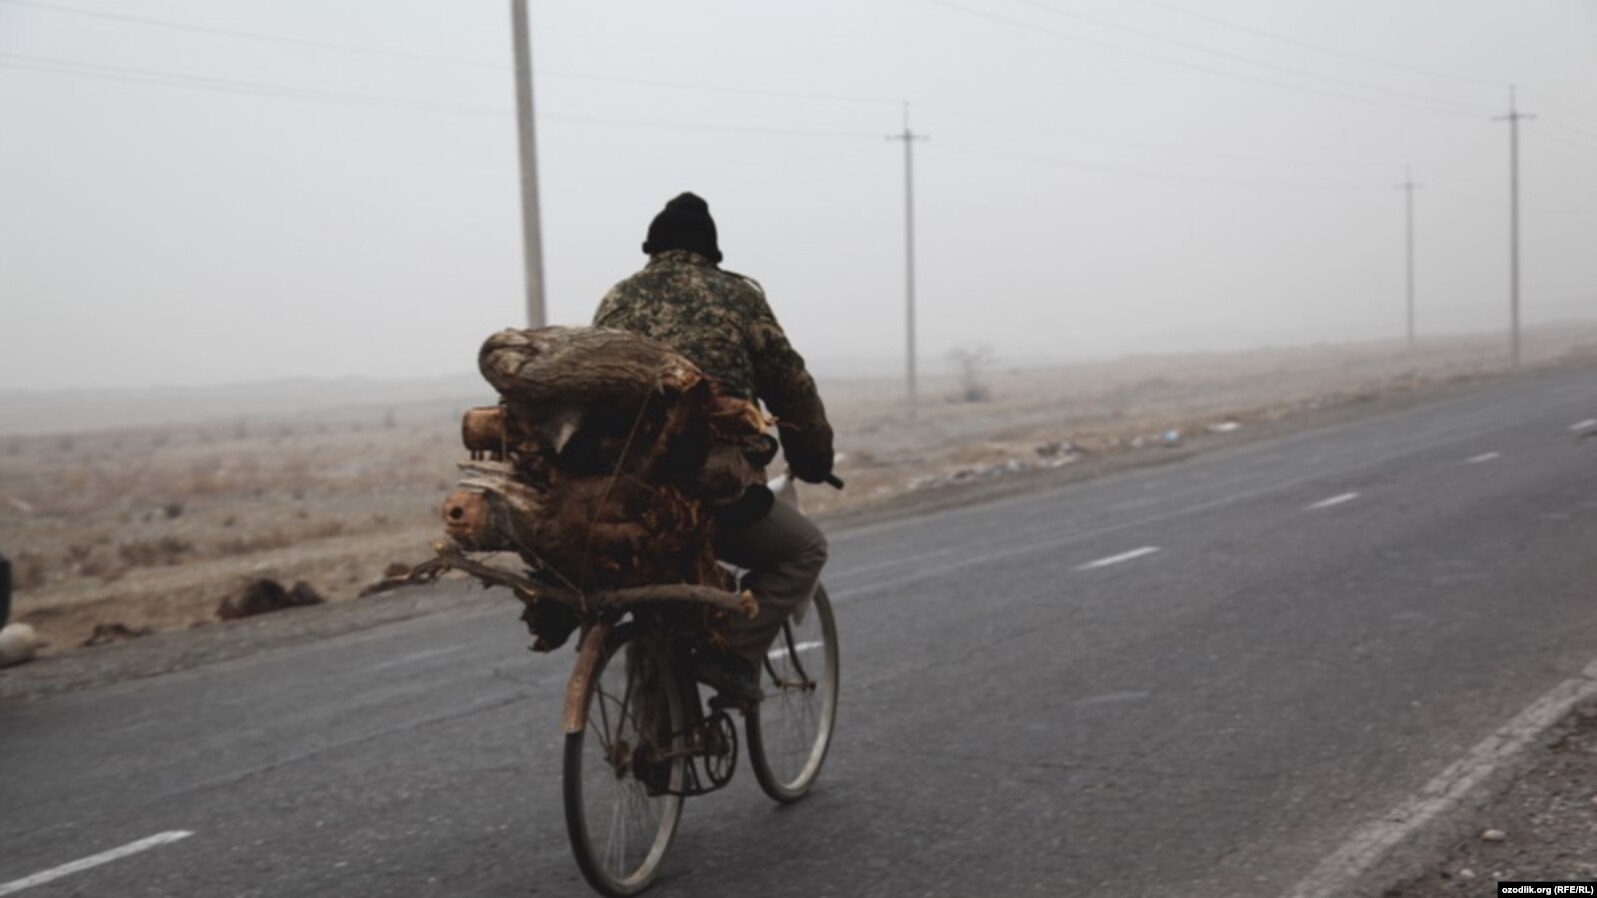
[(791, 729), (621, 769)]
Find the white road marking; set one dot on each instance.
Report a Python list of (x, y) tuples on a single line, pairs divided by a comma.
[(104, 857), (989, 554), (1334, 500), (1338, 873), (1484, 456), (1582, 425), (779, 654), (1116, 559)]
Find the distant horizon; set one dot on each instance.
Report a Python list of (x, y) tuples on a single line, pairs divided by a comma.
[(51, 412), (848, 367)]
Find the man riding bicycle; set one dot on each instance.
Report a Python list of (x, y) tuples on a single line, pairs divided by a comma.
[(721, 322)]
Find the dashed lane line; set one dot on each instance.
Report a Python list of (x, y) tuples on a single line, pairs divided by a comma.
[(1484, 456), (1334, 500), (1118, 559), (104, 857), (1582, 425), (779, 654), (989, 554)]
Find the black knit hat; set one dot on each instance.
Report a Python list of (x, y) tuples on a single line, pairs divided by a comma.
[(684, 223)]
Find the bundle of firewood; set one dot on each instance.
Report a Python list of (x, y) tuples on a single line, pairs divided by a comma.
[(598, 463)]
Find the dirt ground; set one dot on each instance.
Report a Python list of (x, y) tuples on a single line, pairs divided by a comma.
[(151, 528), (1539, 826)]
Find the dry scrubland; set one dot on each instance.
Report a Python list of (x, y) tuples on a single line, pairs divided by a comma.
[(151, 528)]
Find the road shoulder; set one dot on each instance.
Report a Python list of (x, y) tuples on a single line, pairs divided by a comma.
[(1536, 820)]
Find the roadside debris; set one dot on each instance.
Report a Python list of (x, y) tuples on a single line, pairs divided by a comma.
[(115, 632), (989, 472), (265, 595), (1065, 449), (1224, 427), (18, 643), (395, 575)]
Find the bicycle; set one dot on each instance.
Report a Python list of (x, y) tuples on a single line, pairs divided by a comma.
[(640, 739)]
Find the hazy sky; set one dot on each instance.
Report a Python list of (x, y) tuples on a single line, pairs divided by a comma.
[(197, 191)]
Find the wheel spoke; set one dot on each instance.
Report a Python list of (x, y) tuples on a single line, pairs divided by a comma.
[(789, 736), (619, 831)]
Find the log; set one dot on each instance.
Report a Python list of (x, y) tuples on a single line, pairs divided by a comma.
[(593, 402), (469, 521), (585, 532), (482, 430), (554, 367), (592, 469)]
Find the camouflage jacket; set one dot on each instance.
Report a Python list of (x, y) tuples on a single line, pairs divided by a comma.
[(723, 324)]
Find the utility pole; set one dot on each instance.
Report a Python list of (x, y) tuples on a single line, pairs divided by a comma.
[(909, 137), (1513, 118), (1407, 187), (531, 229)]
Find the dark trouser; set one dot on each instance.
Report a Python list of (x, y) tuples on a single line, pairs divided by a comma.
[(784, 553)]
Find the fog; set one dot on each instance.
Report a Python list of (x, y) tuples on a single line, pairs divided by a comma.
[(196, 193)]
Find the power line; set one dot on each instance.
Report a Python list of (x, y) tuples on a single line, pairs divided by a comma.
[(254, 35), (162, 78), (1556, 138), (1238, 57), (720, 88), (1579, 134), (708, 127), (1497, 203), (1559, 104), (235, 86), (279, 91), (1152, 175), (1164, 148), (1186, 64), (152, 21), (213, 84), (446, 60), (1322, 48)]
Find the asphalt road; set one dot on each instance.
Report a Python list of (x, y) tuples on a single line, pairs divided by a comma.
[(1193, 679)]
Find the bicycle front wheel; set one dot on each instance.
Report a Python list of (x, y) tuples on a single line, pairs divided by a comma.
[(791, 729), (623, 768)]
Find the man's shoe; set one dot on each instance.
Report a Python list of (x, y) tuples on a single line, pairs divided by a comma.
[(730, 676)]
